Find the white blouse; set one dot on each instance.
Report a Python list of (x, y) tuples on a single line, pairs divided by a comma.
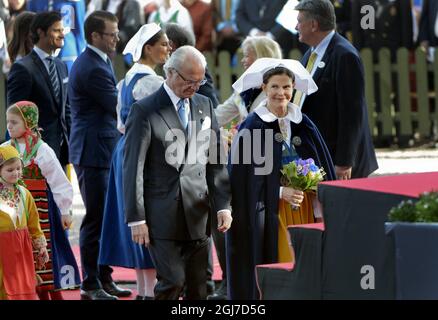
[(144, 87)]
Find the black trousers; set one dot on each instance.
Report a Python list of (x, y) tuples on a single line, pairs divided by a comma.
[(93, 184), (180, 263)]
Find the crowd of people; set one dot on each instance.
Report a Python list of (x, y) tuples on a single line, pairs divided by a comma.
[(164, 168)]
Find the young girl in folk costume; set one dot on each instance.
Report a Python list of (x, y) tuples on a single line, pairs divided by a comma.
[(20, 231), (53, 194)]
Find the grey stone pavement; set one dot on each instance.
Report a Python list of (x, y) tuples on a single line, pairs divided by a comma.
[(391, 162)]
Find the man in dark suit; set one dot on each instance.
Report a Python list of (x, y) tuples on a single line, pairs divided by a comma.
[(180, 36), (428, 33), (393, 26), (42, 78), (338, 108), (93, 95), (257, 18), (172, 173)]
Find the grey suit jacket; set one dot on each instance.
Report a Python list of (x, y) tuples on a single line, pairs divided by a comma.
[(160, 169)]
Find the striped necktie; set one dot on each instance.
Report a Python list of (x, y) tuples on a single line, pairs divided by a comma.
[(182, 113), (309, 67), (53, 74)]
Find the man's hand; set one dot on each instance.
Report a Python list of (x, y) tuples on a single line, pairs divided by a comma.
[(140, 234), (343, 173), (294, 197), (66, 221), (224, 220)]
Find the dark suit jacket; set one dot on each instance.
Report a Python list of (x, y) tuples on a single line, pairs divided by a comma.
[(393, 25), (427, 22), (209, 90), (93, 97), (339, 109), (153, 185), (248, 16), (29, 80)]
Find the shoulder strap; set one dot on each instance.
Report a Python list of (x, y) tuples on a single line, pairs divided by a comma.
[(126, 95), (22, 194)]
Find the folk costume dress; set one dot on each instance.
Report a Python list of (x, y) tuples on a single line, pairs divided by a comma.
[(20, 233), (53, 194), (116, 245), (260, 218)]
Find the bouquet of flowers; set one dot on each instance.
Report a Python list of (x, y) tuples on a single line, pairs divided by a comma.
[(302, 174)]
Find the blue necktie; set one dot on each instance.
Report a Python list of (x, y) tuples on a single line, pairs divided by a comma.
[(53, 74), (109, 63), (182, 113)]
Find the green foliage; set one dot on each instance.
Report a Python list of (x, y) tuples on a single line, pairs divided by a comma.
[(424, 210)]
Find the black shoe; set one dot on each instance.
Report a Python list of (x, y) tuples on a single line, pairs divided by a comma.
[(148, 298), (98, 294), (112, 289), (139, 297)]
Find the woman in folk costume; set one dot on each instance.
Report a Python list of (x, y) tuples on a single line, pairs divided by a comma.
[(149, 47), (53, 194), (172, 11), (278, 132), (20, 232)]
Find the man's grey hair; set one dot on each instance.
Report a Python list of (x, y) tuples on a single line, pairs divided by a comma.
[(178, 58), (319, 10), (179, 35)]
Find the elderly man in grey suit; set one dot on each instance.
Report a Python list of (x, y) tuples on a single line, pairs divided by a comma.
[(171, 174)]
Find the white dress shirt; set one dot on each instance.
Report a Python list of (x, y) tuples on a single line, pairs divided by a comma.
[(320, 50)]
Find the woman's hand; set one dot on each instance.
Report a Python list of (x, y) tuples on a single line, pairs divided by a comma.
[(294, 197), (42, 258)]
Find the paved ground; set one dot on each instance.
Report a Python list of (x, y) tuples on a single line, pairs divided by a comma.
[(390, 162)]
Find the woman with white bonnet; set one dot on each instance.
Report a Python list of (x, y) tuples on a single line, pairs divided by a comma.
[(149, 48), (276, 133)]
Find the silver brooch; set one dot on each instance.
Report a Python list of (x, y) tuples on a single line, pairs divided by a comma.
[(296, 141), (278, 137), (321, 64)]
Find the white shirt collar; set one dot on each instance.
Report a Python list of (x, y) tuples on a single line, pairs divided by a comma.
[(101, 54), (293, 113), (322, 46), (173, 97), (41, 53)]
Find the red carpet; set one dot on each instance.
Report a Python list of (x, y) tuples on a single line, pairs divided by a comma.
[(127, 276), (410, 185)]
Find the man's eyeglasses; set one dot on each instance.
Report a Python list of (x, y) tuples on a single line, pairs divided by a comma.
[(191, 82), (112, 35)]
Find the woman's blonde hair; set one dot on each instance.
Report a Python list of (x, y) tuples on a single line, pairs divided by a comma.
[(263, 46)]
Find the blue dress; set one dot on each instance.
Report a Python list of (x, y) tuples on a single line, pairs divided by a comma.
[(116, 245)]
